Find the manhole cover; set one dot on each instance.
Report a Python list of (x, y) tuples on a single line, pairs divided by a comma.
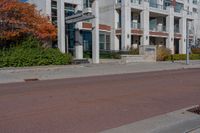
[(195, 110)]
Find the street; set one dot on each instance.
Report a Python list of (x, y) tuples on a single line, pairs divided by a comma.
[(93, 104)]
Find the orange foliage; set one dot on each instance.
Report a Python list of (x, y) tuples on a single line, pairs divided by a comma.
[(18, 19)]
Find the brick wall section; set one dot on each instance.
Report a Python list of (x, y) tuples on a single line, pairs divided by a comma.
[(101, 26), (158, 33), (178, 35), (137, 32)]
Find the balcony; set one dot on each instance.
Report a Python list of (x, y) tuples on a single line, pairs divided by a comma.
[(157, 6), (158, 28), (176, 29), (195, 2), (137, 2), (119, 1), (135, 25)]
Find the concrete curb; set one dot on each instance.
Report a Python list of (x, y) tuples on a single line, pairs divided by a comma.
[(179, 121)]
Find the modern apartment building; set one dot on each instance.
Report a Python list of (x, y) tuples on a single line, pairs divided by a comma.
[(150, 22), (58, 10), (124, 24)]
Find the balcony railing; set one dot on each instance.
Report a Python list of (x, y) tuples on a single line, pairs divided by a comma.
[(135, 25), (132, 1), (157, 28), (176, 29), (119, 25), (158, 6), (119, 1), (136, 2)]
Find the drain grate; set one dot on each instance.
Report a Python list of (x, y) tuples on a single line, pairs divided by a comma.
[(195, 110), (29, 80)]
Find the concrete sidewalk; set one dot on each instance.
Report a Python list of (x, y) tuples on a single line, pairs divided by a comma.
[(179, 121), (9, 75)]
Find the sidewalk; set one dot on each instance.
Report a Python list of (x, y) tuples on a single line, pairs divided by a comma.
[(179, 121), (9, 75)]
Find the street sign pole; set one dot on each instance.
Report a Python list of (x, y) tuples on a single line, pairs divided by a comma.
[(187, 45)]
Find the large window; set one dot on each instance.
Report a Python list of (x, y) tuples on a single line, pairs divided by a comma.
[(87, 40), (70, 28), (178, 7), (54, 12), (104, 41), (87, 3)]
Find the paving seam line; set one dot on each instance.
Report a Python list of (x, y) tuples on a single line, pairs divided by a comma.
[(193, 129)]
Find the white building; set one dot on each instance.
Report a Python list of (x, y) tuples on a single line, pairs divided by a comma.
[(150, 22), (80, 36), (124, 23)]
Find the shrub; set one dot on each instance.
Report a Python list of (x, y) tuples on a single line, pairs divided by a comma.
[(87, 54), (30, 53), (195, 50), (110, 55), (184, 56), (163, 53), (134, 51)]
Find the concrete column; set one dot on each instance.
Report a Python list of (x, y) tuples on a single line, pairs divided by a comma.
[(95, 32), (170, 29), (126, 24), (61, 25), (78, 45), (114, 39), (48, 8), (78, 36), (144, 15), (183, 31)]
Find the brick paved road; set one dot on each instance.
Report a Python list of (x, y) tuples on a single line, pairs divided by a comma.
[(87, 105)]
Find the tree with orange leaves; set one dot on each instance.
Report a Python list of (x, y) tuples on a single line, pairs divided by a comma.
[(19, 19)]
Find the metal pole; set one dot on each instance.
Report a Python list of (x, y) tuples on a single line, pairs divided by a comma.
[(187, 44)]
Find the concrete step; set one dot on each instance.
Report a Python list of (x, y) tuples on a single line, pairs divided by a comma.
[(132, 58)]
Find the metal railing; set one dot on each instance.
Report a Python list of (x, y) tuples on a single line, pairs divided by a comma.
[(176, 29), (157, 6), (157, 28), (135, 25), (136, 1)]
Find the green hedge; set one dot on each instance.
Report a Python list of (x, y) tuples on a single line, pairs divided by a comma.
[(183, 57), (31, 53), (104, 55)]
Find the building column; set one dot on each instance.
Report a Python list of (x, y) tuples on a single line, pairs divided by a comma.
[(78, 45), (114, 39), (144, 15), (183, 31), (170, 29), (95, 32), (61, 25), (48, 8), (126, 24), (78, 36)]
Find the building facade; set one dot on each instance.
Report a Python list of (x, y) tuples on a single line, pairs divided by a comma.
[(126, 23), (69, 8), (150, 22)]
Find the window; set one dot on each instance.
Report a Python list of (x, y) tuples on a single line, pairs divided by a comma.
[(54, 12), (87, 3), (102, 41), (178, 7)]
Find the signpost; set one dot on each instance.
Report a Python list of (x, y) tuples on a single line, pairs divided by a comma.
[(187, 44)]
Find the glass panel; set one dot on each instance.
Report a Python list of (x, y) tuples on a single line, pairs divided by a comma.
[(102, 41)]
